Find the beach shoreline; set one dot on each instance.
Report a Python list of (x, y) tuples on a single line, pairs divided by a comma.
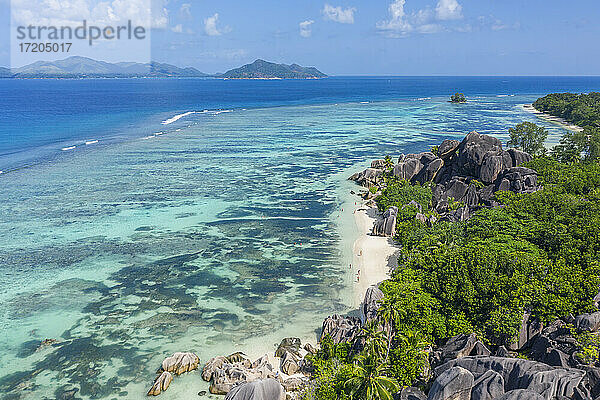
[(551, 118), (373, 256)]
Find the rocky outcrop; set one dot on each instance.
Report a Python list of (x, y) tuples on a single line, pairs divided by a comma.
[(291, 345), (410, 393), (341, 329), (488, 386), (588, 322), (465, 173), (538, 377), (161, 383), (177, 364), (521, 394), (458, 346), (369, 177), (455, 383), (180, 363), (386, 225), (267, 389), (289, 363), (224, 374), (371, 303)]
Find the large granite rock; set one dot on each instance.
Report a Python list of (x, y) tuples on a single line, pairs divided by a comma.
[(468, 172), (341, 329), (179, 363), (407, 169), (224, 375), (161, 383), (268, 389), (453, 384), (369, 177), (521, 394), (473, 150), (371, 303), (386, 225), (291, 345), (522, 374), (289, 363), (294, 384), (211, 366), (410, 393), (555, 345), (488, 386), (448, 148), (588, 322)]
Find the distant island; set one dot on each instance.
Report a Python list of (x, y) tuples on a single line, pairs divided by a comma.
[(261, 69), (83, 67), (458, 98)]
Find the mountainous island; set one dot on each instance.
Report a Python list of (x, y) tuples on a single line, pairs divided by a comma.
[(261, 69), (83, 67)]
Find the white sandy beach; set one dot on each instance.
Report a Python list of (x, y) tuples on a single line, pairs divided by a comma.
[(551, 118), (373, 255)]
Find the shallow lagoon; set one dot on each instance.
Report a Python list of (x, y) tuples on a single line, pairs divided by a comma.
[(224, 233)]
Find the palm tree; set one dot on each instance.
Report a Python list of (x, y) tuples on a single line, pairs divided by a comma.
[(375, 338), (369, 381), (412, 340), (389, 314)]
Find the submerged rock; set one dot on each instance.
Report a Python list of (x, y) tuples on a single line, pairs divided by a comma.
[(161, 384)]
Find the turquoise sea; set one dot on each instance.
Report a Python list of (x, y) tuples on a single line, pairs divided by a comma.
[(224, 230)]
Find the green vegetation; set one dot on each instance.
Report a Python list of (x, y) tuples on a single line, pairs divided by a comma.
[(458, 98), (538, 254), (579, 145), (579, 109), (528, 137)]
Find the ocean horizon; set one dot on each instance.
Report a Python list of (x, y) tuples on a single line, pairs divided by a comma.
[(144, 217)]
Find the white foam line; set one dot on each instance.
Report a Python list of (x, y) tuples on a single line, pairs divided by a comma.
[(68, 148), (177, 117), (91, 142)]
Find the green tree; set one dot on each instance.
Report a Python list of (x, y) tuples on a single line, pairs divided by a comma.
[(528, 137), (369, 381), (458, 98), (376, 341), (575, 146)]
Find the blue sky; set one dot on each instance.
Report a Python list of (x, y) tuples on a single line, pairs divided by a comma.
[(378, 37)]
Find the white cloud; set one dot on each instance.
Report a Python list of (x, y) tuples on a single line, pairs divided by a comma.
[(149, 13), (448, 9), (177, 28), (424, 21), (210, 26), (338, 14), (305, 28), (186, 10), (398, 25)]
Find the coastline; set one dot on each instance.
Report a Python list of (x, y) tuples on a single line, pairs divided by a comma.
[(373, 256), (551, 118)]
